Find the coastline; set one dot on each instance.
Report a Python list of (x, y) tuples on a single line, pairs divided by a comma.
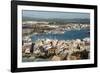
[(55, 49)]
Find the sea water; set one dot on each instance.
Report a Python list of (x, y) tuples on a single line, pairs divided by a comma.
[(67, 35)]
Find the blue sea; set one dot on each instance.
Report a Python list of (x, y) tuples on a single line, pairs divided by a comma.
[(68, 35)]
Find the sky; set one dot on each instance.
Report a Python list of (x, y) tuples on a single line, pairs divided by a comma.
[(54, 14)]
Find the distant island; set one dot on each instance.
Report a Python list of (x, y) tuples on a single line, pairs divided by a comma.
[(59, 20)]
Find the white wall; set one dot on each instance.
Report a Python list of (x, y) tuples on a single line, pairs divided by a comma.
[(5, 36)]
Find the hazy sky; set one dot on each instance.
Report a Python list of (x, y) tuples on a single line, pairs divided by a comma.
[(53, 14)]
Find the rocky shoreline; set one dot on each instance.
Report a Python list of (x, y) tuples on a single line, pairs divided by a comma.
[(56, 50)]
